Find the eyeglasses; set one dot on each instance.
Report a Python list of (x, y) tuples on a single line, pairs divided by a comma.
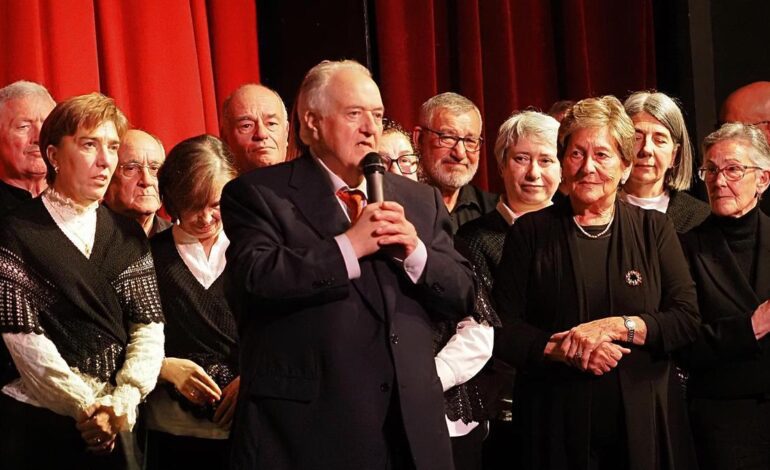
[(129, 170), (407, 163), (472, 144), (732, 172)]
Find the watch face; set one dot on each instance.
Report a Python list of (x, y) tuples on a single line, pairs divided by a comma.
[(630, 324)]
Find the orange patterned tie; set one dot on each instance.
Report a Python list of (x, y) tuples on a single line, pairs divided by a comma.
[(354, 201)]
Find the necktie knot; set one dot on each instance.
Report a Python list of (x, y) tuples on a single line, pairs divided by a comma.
[(354, 201)]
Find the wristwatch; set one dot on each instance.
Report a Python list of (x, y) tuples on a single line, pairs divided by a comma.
[(630, 326)]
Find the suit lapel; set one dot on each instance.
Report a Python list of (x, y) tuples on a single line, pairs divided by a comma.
[(719, 264), (313, 196)]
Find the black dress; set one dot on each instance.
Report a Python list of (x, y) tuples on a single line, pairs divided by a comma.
[(539, 291)]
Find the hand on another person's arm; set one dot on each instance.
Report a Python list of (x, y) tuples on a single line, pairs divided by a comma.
[(190, 380), (226, 409)]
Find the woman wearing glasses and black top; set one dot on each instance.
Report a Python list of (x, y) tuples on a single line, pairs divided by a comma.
[(729, 256)]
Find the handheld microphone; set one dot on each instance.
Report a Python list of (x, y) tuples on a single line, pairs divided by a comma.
[(374, 170)]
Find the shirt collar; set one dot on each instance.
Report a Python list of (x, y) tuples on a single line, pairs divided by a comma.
[(508, 214), (337, 182)]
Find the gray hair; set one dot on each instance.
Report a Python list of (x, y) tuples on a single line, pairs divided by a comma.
[(525, 124), (21, 89), (312, 91), (667, 111), (453, 102), (226, 103), (747, 133)]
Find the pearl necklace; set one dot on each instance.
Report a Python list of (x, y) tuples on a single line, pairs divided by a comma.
[(598, 235)]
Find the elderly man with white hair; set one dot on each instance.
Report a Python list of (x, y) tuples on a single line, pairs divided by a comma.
[(336, 295), (23, 108)]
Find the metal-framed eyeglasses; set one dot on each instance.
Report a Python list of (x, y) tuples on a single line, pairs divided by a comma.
[(732, 172), (407, 163), (131, 169), (472, 144)]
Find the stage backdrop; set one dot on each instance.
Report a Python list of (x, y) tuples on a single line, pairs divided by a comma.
[(168, 64), (507, 55)]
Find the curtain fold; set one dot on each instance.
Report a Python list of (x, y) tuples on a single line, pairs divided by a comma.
[(508, 55), (168, 64)]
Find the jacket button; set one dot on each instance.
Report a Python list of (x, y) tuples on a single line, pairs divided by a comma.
[(438, 288), (394, 338), (384, 387)]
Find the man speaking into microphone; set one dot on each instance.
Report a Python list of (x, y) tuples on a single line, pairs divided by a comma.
[(332, 293)]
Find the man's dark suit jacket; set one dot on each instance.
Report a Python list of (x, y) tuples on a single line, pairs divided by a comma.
[(321, 355)]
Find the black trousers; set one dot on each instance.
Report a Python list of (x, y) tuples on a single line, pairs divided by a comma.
[(731, 434), (37, 438)]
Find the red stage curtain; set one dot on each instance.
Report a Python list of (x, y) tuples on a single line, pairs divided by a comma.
[(168, 64), (507, 55)]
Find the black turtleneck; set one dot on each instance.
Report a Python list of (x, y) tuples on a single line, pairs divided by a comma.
[(741, 236)]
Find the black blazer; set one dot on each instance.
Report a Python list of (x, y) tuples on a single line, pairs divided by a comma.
[(321, 355), (727, 361), (537, 292)]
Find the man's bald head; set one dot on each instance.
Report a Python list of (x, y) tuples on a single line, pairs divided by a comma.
[(255, 126), (749, 104)]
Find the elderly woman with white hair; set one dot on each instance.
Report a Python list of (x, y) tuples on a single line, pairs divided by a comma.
[(729, 256), (663, 168)]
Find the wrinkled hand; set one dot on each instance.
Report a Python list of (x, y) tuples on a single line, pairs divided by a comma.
[(382, 224), (226, 409), (190, 380), (605, 358), (399, 234), (579, 342), (99, 431), (760, 320)]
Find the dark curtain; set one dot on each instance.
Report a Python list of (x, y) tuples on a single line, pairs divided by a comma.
[(510, 55), (168, 64)]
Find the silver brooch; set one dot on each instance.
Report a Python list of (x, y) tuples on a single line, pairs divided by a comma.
[(633, 278)]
